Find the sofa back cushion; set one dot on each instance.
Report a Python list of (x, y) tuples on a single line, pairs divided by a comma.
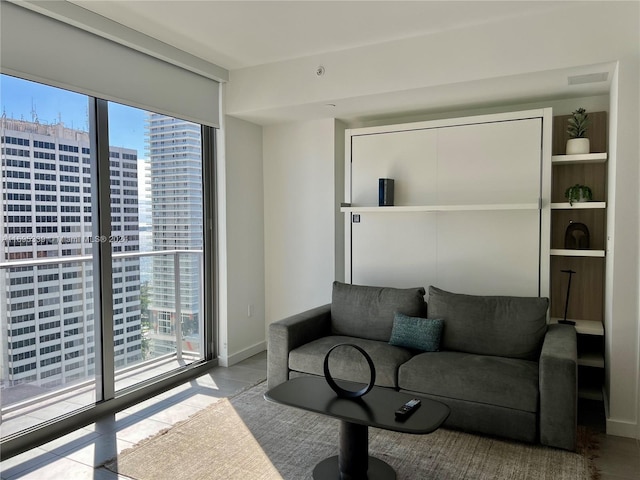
[(368, 312), (502, 326)]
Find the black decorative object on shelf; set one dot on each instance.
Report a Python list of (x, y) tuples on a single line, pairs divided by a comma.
[(566, 304), (341, 391), (576, 237), (385, 192)]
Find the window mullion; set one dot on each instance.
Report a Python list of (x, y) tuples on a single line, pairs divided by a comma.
[(102, 262), (210, 241)]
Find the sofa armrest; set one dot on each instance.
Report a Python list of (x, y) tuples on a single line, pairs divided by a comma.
[(290, 333), (558, 377)]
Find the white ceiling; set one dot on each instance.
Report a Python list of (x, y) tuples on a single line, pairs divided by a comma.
[(238, 34), (489, 95)]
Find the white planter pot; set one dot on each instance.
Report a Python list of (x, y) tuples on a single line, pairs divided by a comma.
[(581, 199), (577, 146)]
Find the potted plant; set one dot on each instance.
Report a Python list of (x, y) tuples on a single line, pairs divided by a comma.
[(578, 193), (578, 123)]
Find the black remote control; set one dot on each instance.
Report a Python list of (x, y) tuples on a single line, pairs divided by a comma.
[(407, 409)]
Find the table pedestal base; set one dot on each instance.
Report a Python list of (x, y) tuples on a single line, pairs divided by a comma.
[(353, 462), (378, 470)]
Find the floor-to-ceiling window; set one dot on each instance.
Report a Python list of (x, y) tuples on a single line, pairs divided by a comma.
[(156, 223), (101, 202), (47, 298)]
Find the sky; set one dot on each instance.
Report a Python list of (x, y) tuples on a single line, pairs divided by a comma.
[(22, 99)]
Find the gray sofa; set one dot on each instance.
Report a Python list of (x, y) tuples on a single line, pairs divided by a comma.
[(497, 364)]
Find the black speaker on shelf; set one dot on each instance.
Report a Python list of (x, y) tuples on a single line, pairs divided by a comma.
[(385, 192)]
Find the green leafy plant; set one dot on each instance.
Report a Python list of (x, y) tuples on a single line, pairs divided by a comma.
[(578, 192), (578, 123)]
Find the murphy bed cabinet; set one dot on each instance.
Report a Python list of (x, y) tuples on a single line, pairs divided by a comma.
[(471, 210), (586, 300)]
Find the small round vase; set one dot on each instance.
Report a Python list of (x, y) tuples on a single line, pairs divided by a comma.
[(581, 198), (577, 146)]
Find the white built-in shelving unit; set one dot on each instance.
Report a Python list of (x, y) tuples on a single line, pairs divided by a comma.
[(586, 306)]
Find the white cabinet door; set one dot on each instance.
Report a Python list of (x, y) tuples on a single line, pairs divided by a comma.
[(489, 163), (456, 251), (408, 157), (394, 249), (489, 252), (483, 252)]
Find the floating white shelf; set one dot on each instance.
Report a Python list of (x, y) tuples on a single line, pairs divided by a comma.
[(584, 158), (578, 205), (440, 208), (560, 252), (586, 327)]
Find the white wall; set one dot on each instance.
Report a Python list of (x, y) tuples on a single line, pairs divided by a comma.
[(241, 332), (623, 257), (300, 209)]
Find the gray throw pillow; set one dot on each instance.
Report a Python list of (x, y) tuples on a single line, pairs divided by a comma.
[(416, 333), (502, 326), (368, 312)]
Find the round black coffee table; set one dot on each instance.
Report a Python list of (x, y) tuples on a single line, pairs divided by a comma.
[(375, 409)]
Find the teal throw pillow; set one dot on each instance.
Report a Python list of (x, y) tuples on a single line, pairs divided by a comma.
[(416, 333)]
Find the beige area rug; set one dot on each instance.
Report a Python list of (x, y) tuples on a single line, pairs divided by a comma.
[(248, 438)]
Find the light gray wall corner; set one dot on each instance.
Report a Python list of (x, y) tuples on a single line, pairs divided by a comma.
[(622, 315), (243, 328), (300, 216)]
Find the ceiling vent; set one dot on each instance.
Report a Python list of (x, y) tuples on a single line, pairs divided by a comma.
[(588, 78)]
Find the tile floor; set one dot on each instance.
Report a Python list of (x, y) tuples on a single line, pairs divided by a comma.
[(76, 455), (618, 457)]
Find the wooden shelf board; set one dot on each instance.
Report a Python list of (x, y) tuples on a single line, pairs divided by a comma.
[(561, 252), (440, 208), (584, 158), (590, 393), (578, 205), (591, 359), (585, 327)]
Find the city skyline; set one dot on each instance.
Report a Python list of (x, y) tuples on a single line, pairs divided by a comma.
[(48, 309), (26, 100)]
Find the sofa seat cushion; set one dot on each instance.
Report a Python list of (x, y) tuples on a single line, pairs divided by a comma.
[(348, 363), (368, 312), (505, 382), (490, 325)]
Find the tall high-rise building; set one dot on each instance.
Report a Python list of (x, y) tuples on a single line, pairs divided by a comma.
[(48, 334), (176, 211)]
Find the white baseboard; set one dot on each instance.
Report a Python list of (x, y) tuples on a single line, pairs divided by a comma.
[(228, 360), (618, 428), (621, 428)]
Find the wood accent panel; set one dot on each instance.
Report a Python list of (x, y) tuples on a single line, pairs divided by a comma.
[(597, 133), (586, 300), (594, 175)]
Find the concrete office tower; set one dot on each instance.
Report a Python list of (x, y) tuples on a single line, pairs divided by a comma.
[(48, 333), (176, 211)]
